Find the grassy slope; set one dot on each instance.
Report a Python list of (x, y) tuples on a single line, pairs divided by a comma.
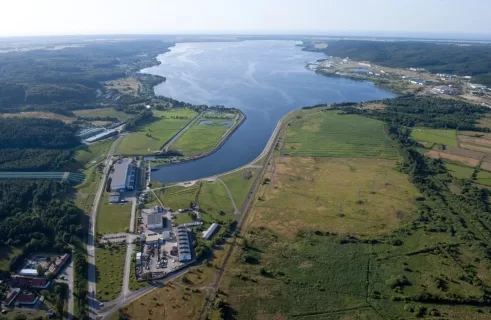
[(329, 134), (159, 131), (112, 217), (215, 203), (441, 136), (103, 112), (93, 153), (238, 185), (178, 197), (110, 266), (458, 171), (200, 138)]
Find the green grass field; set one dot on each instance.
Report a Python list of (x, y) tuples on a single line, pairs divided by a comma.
[(329, 134), (150, 137), (484, 178), (112, 218), (215, 203), (88, 155), (110, 267), (441, 136), (240, 184), (201, 138), (103, 112), (178, 197), (459, 171)]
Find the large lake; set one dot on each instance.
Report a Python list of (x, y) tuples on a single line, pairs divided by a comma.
[(265, 79)]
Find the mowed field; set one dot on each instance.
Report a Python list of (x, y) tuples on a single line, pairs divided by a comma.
[(150, 137), (440, 136), (330, 134), (201, 137)]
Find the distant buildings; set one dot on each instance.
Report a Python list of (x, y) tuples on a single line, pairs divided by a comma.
[(183, 245), (89, 132), (123, 176), (477, 86), (417, 81), (106, 133)]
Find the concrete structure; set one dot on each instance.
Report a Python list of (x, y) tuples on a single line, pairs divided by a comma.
[(154, 220), (209, 232), (90, 132), (23, 282), (183, 245), (153, 239), (138, 258), (105, 134), (28, 272), (114, 197), (123, 176)]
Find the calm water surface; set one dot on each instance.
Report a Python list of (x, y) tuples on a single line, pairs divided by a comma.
[(265, 79)]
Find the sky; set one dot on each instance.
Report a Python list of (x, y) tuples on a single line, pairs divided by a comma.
[(332, 17)]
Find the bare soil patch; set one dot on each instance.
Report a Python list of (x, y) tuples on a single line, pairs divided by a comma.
[(443, 155), (474, 147), (465, 153)]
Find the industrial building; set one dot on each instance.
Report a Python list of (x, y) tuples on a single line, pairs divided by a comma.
[(114, 197), (209, 232), (138, 258), (90, 132), (103, 135), (123, 176), (154, 220), (183, 245)]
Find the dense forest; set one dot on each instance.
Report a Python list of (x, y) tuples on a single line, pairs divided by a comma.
[(34, 216), (71, 77), (472, 60), (29, 144)]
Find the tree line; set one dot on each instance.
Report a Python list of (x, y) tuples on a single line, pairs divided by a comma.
[(470, 60)]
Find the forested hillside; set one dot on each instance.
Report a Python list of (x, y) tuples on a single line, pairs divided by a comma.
[(472, 60), (28, 144), (69, 78), (34, 217)]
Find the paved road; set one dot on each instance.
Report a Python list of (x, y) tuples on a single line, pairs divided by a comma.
[(230, 196), (67, 272), (92, 278), (180, 133), (125, 290)]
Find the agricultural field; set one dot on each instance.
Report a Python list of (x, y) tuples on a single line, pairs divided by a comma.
[(331, 134), (462, 158), (150, 138), (109, 271), (458, 171), (40, 115), (112, 218), (363, 197), (440, 136), (203, 136), (125, 85), (484, 178), (103, 112)]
